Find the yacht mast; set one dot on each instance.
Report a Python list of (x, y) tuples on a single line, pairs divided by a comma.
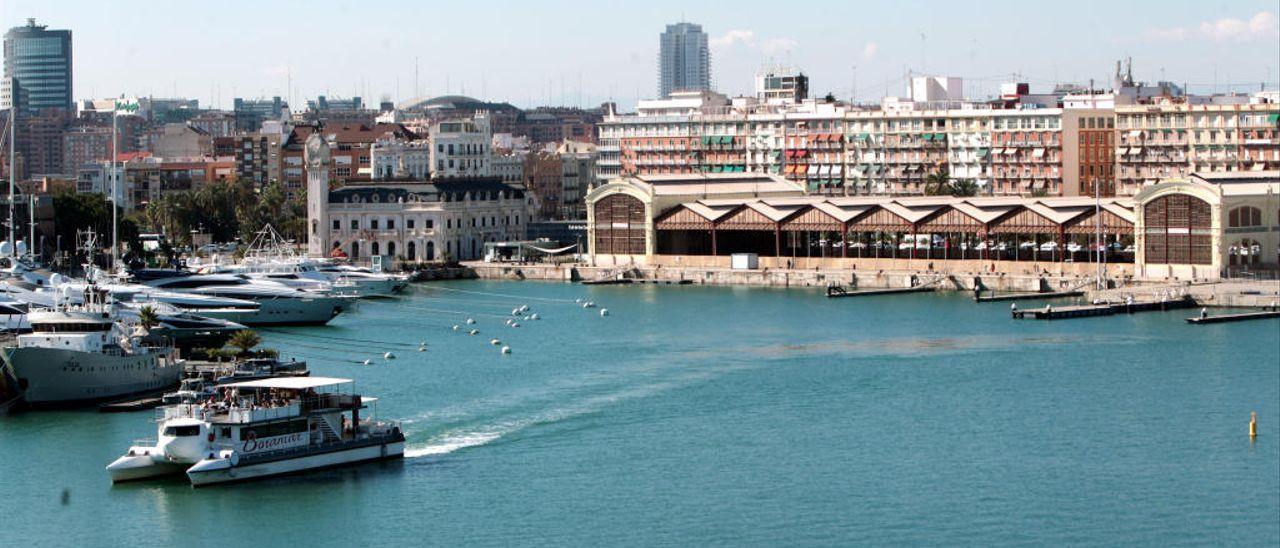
[(13, 154)]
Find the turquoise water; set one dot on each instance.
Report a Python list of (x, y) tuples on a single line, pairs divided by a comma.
[(731, 416)]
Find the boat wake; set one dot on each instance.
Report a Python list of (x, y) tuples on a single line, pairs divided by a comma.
[(491, 431), (450, 443)]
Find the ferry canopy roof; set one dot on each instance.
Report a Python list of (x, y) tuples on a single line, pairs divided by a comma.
[(290, 383)]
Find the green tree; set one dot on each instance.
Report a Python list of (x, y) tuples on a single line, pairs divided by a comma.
[(963, 187), (938, 183), (148, 318), (245, 340)]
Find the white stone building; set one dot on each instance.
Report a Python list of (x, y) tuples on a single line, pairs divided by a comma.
[(445, 219), (395, 158), (462, 147)]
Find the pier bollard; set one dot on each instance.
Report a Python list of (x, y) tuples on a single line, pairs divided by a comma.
[(1013, 309), (1253, 425)]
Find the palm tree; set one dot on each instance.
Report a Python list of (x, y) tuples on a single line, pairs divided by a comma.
[(938, 183), (148, 318), (244, 340), (964, 187)]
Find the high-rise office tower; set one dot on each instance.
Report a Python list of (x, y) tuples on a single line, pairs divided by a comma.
[(38, 61), (684, 60)]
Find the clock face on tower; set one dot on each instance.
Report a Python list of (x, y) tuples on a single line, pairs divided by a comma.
[(317, 151)]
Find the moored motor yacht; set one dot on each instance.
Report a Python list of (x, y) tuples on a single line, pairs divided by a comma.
[(84, 353), (277, 304), (255, 429)]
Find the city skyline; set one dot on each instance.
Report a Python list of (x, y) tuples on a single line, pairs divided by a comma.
[(536, 55)]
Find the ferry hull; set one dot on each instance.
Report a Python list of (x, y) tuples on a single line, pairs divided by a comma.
[(56, 377), (142, 466), (215, 471)]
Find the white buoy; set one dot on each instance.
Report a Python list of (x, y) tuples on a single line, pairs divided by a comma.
[(365, 362), (388, 356), (471, 321), (579, 301), (455, 328), (534, 316), (590, 304), (526, 318), (515, 311), (422, 347), (495, 342), (473, 332), (515, 324), (586, 305), (509, 320), (604, 312), (506, 350)]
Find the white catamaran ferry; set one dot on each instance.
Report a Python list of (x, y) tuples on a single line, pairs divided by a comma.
[(268, 427)]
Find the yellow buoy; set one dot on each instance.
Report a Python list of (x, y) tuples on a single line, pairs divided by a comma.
[(1253, 425)]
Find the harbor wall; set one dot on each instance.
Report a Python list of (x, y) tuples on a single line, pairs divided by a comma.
[(850, 273)]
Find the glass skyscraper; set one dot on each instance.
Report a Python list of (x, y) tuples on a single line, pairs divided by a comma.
[(684, 60), (38, 61)]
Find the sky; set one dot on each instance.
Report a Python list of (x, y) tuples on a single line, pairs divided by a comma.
[(580, 53)]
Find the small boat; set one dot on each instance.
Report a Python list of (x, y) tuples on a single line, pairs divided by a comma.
[(255, 429)]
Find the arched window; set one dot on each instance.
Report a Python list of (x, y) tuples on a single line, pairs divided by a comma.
[(355, 250), (1246, 252), (431, 251), (411, 251), (373, 249), (1178, 230), (391, 249), (620, 225), (1244, 216)]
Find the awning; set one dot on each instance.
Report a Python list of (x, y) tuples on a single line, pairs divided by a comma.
[(824, 170), (927, 136), (1135, 133), (706, 140), (547, 250), (835, 170), (1273, 117), (801, 153), (791, 154), (776, 154), (1010, 150), (1135, 151), (726, 140), (982, 153), (1037, 153), (1037, 184), (997, 150), (813, 169)]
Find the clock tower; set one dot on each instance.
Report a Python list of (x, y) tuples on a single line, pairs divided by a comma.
[(316, 158)]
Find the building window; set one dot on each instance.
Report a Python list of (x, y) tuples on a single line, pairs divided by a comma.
[(391, 224), (373, 224), (355, 224), (408, 223), (337, 225)]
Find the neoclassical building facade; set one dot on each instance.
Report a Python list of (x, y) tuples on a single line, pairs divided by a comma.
[(448, 219)]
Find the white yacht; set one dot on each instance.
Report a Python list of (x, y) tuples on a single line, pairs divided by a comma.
[(255, 429), (269, 256), (84, 353), (367, 282), (277, 304)]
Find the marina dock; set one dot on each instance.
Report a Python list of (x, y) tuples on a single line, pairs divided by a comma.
[(1105, 309), (1033, 295), (1225, 318), (835, 291)]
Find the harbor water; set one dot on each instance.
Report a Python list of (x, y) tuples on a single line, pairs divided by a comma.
[(695, 415)]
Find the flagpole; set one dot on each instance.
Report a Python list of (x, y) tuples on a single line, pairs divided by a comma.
[(115, 183)]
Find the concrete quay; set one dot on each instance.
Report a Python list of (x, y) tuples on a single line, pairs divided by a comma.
[(1026, 278)]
